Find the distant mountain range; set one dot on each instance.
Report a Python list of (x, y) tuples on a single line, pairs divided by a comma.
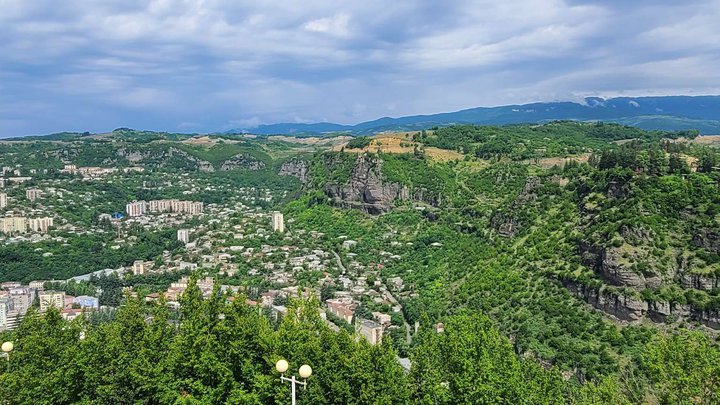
[(662, 113)]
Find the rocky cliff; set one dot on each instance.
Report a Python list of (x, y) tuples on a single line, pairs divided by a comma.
[(367, 189), (634, 309), (164, 158), (242, 161), (295, 168)]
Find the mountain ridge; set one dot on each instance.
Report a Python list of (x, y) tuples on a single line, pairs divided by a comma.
[(649, 112)]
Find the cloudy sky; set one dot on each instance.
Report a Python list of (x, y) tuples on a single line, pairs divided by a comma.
[(209, 65)]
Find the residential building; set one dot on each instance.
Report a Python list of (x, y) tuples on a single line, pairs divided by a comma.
[(382, 319), (37, 285), (372, 331), (278, 222), (11, 225), (138, 267), (183, 235), (86, 301), (33, 194), (187, 207), (41, 225), (342, 308), (5, 307), (51, 299), (136, 208), (3, 200), (22, 298)]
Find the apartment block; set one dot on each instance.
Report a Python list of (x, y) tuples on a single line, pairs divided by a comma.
[(51, 299), (278, 222)]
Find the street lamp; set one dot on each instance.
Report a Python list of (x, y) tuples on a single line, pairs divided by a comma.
[(7, 347), (305, 372)]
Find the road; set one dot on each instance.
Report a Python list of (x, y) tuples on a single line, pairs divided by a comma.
[(339, 262), (391, 298)]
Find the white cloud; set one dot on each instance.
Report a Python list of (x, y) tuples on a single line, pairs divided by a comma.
[(335, 25)]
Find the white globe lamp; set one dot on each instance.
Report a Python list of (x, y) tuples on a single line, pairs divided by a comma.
[(305, 371), (7, 347), (281, 366)]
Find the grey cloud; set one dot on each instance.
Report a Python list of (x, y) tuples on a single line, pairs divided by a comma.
[(207, 65)]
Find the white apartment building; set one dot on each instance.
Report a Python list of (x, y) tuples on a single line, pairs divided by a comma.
[(136, 208), (278, 222), (3, 200), (139, 208), (51, 299), (183, 235), (5, 306), (33, 194), (10, 225), (39, 224), (138, 267)]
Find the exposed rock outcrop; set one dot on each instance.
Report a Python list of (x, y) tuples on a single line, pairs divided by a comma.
[(618, 190), (242, 161), (367, 190), (503, 221), (633, 309), (620, 306), (707, 239), (161, 158), (610, 264), (295, 168), (699, 281)]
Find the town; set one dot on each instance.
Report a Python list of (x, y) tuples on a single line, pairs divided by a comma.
[(241, 245)]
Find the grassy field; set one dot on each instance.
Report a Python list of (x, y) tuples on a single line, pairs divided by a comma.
[(401, 142)]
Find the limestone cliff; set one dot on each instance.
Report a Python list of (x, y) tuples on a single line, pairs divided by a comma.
[(367, 189), (242, 161), (295, 168)]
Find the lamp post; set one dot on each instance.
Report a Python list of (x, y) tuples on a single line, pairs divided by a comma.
[(7, 347), (305, 371)]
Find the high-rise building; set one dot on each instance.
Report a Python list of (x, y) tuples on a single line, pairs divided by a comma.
[(41, 225), (11, 225), (33, 194), (2, 182), (278, 223), (136, 208), (22, 298), (183, 235), (138, 267), (3, 200), (51, 299), (5, 307)]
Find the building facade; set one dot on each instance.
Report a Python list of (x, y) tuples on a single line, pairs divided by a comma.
[(3, 200), (51, 299), (33, 194), (278, 222), (136, 208), (183, 235), (10, 225), (138, 267)]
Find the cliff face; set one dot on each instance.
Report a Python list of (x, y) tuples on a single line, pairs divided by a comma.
[(295, 168), (162, 158), (504, 222), (367, 190), (633, 309), (242, 161), (609, 263)]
